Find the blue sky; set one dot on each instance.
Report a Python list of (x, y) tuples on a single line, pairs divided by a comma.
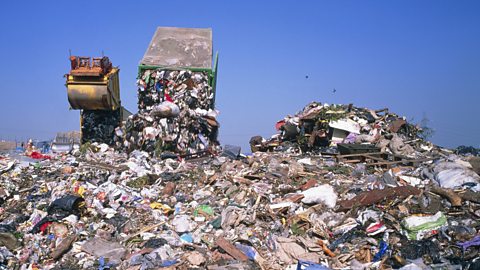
[(418, 58)]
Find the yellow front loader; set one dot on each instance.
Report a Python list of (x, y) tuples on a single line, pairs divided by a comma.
[(93, 87)]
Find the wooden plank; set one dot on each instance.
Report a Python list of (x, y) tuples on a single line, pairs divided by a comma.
[(360, 155), (375, 158), (231, 249), (401, 161)]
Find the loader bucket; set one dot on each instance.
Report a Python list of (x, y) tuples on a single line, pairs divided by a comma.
[(94, 93)]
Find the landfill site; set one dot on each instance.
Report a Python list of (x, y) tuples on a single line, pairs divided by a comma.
[(338, 186)]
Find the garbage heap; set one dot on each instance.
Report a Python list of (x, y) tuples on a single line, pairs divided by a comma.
[(97, 208), (318, 126), (99, 126), (176, 113), (100, 209)]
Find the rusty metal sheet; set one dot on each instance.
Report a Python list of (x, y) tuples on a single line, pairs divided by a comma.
[(180, 47), (371, 197)]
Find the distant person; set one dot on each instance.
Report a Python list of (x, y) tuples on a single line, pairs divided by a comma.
[(30, 148)]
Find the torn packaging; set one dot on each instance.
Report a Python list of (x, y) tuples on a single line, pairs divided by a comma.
[(102, 248)]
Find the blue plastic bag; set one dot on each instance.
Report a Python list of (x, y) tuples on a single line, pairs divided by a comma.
[(381, 252), (247, 250), (305, 265)]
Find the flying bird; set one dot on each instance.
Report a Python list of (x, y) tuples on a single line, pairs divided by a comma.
[(334, 90)]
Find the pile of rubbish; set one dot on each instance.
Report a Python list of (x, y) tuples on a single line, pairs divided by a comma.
[(467, 150), (322, 125), (99, 126), (99, 208), (175, 113)]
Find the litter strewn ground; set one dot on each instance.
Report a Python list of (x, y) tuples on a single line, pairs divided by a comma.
[(314, 196)]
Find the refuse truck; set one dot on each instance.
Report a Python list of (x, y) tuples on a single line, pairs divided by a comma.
[(173, 48), (93, 87), (176, 92)]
